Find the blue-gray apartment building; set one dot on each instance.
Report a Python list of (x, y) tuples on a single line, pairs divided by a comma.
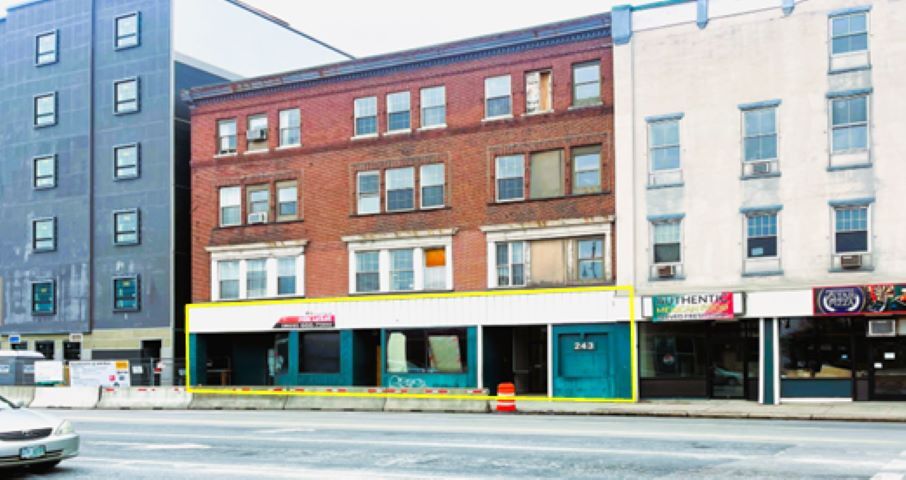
[(94, 163)]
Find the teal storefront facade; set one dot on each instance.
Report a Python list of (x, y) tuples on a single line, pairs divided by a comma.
[(592, 361)]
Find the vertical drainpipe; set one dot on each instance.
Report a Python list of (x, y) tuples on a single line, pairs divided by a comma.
[(91, 152)]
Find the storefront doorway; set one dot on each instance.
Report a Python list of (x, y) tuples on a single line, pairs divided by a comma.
[(888, 372), (517, 355)]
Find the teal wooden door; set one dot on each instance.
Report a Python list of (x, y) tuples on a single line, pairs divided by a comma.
[(592, 361)]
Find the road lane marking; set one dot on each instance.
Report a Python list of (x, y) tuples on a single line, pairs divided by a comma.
[(888, 476), (286, 430), (150, 446), (896, 465)]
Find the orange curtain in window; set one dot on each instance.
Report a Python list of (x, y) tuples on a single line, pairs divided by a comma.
[(435, 257)]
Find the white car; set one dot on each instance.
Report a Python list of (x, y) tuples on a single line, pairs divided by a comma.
[(33, 439)]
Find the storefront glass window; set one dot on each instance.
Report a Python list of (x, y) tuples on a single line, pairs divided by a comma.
[(281, 359), (426, 351), (673, 351), (319, 352), (816, 348)]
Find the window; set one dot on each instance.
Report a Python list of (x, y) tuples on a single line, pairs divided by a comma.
[(586, 170), (431, 178), (761, 235), (228, 279), (849, 33), (510, 174), (125, 294), (673, 350), (369, 192), (435, 268), (851, 229), (497, 95), (46, 348), (126, 227), (45, 110), (256, 278), (849, 119), (45, 172), (816, 348), (426, 351), (398, 112), (125, 162), (546, 174), (365, 116), (538, 92), (125, 96), (664, 145), (402, 274), (256, 134), (287, 201), (760, 137), (510, 264), (319, 352), (230, 206), (667, 242), (226, 136), (44, 234), (281, 353), (400, 189), (587, 83), (590, 259), (72, 350), (433, 105), (46, 48), (43, 298), (127, 31), (258, 203), (286, 276), (367, 272), (290, 128)]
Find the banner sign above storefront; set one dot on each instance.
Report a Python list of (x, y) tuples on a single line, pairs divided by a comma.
[(708, 306), (882, 299), (308, 320)]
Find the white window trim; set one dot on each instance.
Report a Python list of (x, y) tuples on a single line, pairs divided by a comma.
[(649, 148), (280, 128), (497, 179), (256, 251), (358, 192), (868, 233), (386, 184), (682, 242), (416, 240), (830, 35), (745, 236), (486, 98), (831, 127)]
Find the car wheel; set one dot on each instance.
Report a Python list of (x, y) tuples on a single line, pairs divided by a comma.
[(43, 467)]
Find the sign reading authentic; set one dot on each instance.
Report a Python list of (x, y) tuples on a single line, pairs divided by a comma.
[(707, 306), (860, 300), (307, 320)]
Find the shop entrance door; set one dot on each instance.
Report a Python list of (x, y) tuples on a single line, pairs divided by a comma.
[(728, 361), (888, 372)]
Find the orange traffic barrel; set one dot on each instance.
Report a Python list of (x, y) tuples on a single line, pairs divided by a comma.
[(505, 400)]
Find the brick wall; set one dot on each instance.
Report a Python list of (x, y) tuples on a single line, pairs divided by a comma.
[(326, 163)]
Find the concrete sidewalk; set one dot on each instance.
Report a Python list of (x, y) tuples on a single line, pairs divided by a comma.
[(842, 411)]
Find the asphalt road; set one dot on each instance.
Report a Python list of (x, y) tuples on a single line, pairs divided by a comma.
[(324, 445)]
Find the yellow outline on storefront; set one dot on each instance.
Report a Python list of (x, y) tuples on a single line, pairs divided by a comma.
[(434, 396)]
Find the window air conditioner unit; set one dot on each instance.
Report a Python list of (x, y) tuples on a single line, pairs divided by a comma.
[(851, 261), (882, 328), (260, 134), (75, 337), (257, 217), (761, 168), (666, 271)]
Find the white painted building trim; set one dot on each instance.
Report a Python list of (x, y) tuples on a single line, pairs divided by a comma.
[(415, 240)]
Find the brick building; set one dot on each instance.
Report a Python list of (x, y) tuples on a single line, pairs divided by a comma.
[(440, 216)]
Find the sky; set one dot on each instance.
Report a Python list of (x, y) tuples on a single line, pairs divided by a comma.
[(370, 27)]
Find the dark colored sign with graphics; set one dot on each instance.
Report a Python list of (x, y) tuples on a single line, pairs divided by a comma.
[(882, 299)]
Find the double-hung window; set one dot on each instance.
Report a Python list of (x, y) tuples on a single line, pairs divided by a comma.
[(228, 279), (849, 33), (46, 48), (587, 83), (402, 272), (126, 229), (258, 203), (45, 172), (851, 229), (400, 189), (256, 133), (125, 96), (667, 242), (43, 298), (510, 176), (367, 271), (431, 180), (45, 110), (126, 294), (230, 206), (435, 273), (368, 192), (127, 31), (290, 128), (590, 259), (256, 278), (286, 275), (365, 110), (760, 134), (398, 112), (586, 170), (498, 97), (44, 234), (433, 106), (849, 124), (226, 136), (125, 161), (287, 201), (664, 145), (510, 264), (761, 235)]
